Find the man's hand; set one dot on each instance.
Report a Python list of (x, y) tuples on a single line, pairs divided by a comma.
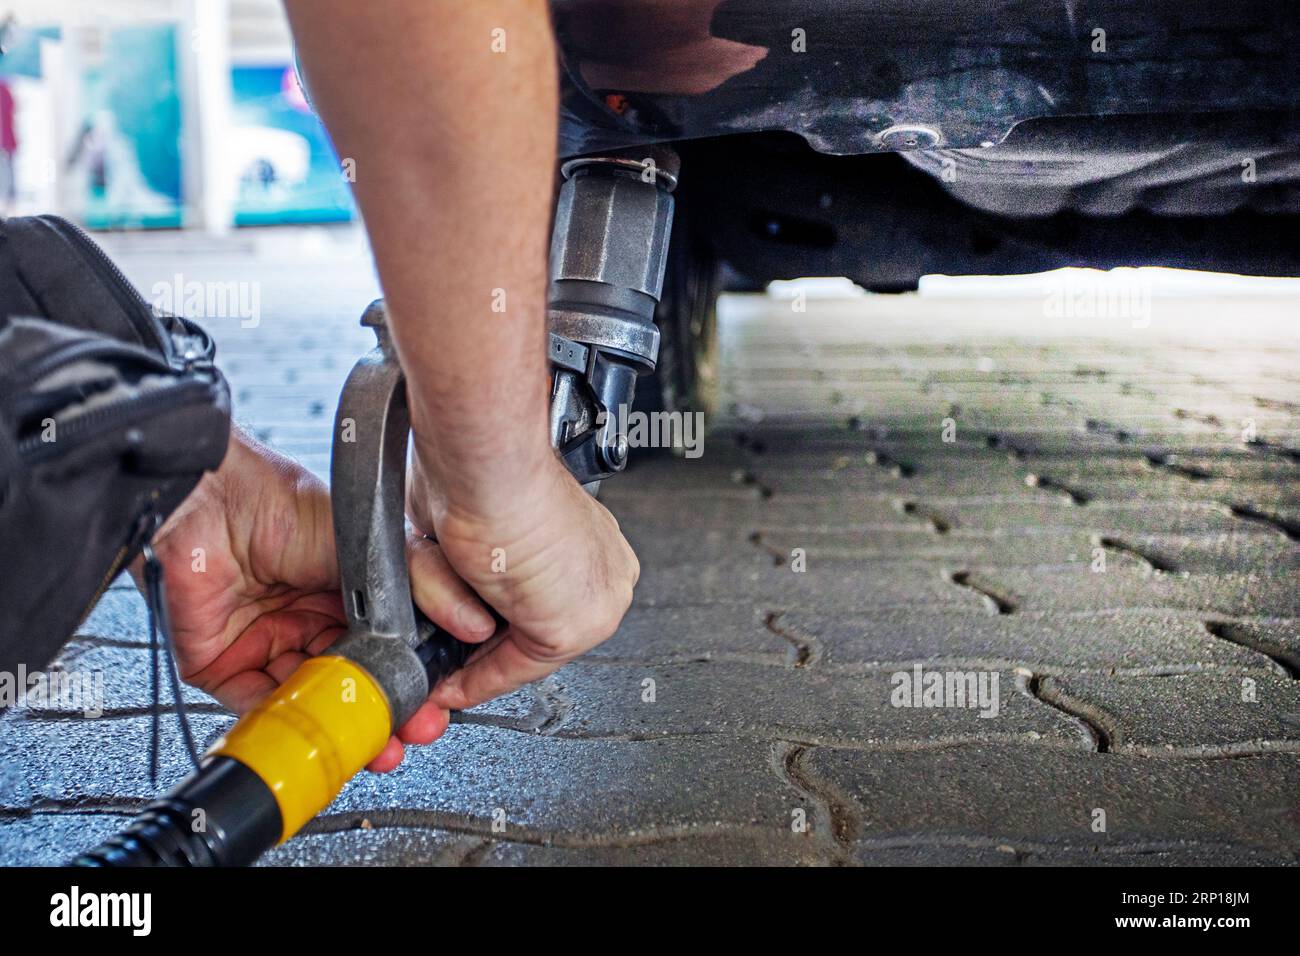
[(448, 111), (253, 584), (554, 564)]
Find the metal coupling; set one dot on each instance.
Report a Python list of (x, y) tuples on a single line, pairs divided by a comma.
[(609, 251)]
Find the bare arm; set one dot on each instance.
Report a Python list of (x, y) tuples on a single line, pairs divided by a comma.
[(454, 146)]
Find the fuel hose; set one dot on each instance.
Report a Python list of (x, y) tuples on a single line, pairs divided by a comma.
[(281, 764)]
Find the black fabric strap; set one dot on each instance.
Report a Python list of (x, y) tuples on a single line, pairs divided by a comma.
[(160, 634)]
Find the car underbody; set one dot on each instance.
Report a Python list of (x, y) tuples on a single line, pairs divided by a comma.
[(884, 140)]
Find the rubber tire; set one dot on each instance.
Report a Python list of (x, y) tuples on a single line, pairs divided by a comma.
[(685, 378)]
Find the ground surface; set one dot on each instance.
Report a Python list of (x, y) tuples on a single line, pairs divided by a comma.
[(1095, 534)]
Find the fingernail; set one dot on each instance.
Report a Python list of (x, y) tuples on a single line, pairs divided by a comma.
[(474, 620)]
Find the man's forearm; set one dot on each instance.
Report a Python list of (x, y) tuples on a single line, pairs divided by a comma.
[(454, 151)]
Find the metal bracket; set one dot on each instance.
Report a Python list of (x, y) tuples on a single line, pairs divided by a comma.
[(368, 487), (387, 634)]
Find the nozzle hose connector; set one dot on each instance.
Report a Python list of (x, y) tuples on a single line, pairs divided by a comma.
[(609, 250), (608, 256), (278, 766), (284, 761)]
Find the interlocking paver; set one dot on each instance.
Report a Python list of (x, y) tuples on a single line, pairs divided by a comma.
[(1012, 795), (120, 616), (1049, 643), (125, 673), (1278, 638), (798, 704), (891, 483), (1210, 714), (621, 786), (1238, 593), (54, 839), (672, 634), (910, 584), (781, 849), (79, 763), (366, 845), (1238, 550)]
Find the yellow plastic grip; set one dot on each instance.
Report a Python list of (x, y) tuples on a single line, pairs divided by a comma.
[(311, 736)]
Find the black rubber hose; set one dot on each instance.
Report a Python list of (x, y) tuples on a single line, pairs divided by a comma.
[(223, 814), (220, 815), (439, 652)]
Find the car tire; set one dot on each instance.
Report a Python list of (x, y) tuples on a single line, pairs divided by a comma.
[(685, 378)]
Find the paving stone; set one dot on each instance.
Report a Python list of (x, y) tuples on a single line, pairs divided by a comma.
[(1273, 493), (1045, 643), (523, 709), (52, 839), (709, 633), (554, 787), (1069, 588), (1246, 548), (14, 789), (1222, 471), (369, 846), (1237, 594), (119, 616), (690, 517), (798, 703), (879, 472), (654, 549), (763, 848), (1114, 518), (985, 851), (1278, 638), (1035, 796), (1003, 512), (79, 764), (1257, 550), (124, 673), (844, 584), (629, 791), (991, 448), (1201, 714)]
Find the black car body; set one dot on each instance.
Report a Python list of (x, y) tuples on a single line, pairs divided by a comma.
[(884, 140)]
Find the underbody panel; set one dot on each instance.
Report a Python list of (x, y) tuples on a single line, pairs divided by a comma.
[(1032, 134), (858, 76), (773, 208)]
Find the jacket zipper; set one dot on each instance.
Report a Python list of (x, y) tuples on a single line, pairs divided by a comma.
[(34, 449), (72, 351)]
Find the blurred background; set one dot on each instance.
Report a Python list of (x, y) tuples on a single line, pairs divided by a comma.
[(146, 114)]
